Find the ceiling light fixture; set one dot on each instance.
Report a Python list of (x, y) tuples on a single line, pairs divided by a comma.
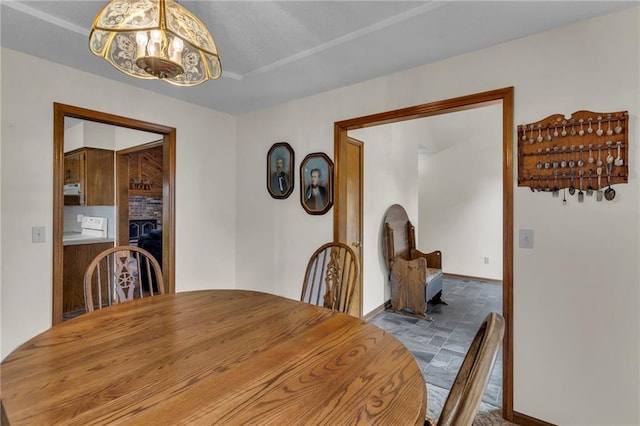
[(155, 39)]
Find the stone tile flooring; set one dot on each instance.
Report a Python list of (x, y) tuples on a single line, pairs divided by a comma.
[(439, 346)]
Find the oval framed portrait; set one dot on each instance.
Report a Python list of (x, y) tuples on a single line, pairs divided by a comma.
[(316, 183), (280, 181)]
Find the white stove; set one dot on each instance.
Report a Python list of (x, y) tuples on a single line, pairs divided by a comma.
[(94, 227)]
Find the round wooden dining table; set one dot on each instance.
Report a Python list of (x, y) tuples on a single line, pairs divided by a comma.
[(213, 357)]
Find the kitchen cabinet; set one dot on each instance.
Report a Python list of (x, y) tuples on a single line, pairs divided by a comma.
[(72, 168), (145, 172), (76, 260), (93, 169)]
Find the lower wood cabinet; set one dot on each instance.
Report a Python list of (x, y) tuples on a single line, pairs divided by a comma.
[(76, 259)]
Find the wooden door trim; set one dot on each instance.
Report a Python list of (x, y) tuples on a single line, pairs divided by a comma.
[(60, 111), (504, 96), (122, 198), (360, 145)]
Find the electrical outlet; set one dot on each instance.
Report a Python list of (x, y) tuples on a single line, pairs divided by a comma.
[(79, 218), (486, 260), (526, 238), (38, 234)]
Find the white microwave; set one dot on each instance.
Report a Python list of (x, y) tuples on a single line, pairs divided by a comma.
[(72, 189)]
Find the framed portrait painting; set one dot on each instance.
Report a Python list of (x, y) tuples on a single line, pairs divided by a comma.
[(316, 183), (280, 170)]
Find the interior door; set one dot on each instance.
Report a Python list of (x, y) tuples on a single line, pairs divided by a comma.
[(351, 191)]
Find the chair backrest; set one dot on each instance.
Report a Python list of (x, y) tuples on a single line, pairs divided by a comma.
[(330, 277), (398, 236), (115, 276), (465, 396)]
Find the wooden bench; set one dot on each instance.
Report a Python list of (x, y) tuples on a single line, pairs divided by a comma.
[(416, 277)]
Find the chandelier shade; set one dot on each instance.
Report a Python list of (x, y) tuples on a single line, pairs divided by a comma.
[(155, 39)]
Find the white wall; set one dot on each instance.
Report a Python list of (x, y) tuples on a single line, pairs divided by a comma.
[(576, 298), (97, 135), (205, 183), (391, 177), (461, 191), (73, 136), (106, 136), (277, 235), (127, 138)]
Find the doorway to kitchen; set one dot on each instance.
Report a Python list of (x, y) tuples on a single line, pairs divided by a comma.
[(167, 139)]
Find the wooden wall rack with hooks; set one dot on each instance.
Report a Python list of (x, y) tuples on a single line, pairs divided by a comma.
[(555, 151)]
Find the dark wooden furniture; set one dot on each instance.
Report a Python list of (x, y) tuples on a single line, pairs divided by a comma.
[(330, 277), (465, 396), (121, 274), (213, 357), (93, 169), (152, 242), (77, 258), (415, 277)]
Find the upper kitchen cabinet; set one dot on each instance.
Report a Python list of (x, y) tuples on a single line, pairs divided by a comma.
[(89, 177), (145, 172), (72, 168)]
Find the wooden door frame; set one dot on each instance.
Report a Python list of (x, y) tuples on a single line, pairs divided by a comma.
[(360, 144), (504, 96), (60, 111)]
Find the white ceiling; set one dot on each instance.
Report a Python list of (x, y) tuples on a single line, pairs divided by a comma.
[(276, 51)]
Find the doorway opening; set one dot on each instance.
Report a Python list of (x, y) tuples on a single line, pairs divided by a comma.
[(167, 143), (455, 203), (341, 223)]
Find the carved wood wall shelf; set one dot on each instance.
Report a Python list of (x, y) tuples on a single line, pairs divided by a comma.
[(555, 152)]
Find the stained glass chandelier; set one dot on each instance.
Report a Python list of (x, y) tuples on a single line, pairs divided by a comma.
[(155, 39)]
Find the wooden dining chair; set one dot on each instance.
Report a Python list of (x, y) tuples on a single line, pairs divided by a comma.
[(465, 396), (116, 276), (331, 276)]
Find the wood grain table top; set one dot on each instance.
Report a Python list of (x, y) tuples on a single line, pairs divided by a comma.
[(213, 357)]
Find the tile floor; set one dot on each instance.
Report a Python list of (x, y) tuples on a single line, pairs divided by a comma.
[(439, 346)]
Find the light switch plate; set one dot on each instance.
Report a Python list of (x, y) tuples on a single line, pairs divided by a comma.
[(526, 238), (38, 234)]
